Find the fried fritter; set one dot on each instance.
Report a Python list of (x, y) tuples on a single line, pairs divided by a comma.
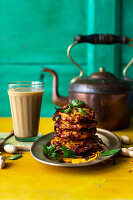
[(78, 147), (75, 127), (75, 135), (61, 125), (75, 115)]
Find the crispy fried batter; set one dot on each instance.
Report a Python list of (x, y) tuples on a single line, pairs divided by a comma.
[(75, 135), (75, 127), (78, 147), (74, 115), (61, 125)]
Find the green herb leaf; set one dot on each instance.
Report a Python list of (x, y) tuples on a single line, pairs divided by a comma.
[(61, 110), (15, 157), (81, 110), (56, 156), (75, 102), (64, 148), (68, 109), (80, 103), (67, 152), (45, 149), (110, 152), (50, 151)]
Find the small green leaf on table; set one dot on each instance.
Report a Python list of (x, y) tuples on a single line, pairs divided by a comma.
[(15, 157)]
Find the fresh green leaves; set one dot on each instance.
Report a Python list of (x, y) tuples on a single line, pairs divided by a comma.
[(76, 103), (67, 152), (52, 152), (81, 110), (80, 103), (61, 110), (110, 152), (15, 157), (68, 109)]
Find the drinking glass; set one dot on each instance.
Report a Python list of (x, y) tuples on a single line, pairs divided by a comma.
[(25, 102)]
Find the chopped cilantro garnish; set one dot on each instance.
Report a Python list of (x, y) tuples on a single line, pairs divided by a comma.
[(76, 103), (81, 110), (67, 152), (52, 152), (68, 109), (61, 110), (109, 152)]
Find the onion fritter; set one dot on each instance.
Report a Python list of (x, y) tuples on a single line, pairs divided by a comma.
[(75, 135), (78, 147), (75, 127), (61, 125), (75, 115)]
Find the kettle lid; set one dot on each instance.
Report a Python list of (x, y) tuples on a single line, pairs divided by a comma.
[(102, 74), (100, 83)]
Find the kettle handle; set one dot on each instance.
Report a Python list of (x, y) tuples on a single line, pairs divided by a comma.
[(125, 70), (97, 39), (101, 39)]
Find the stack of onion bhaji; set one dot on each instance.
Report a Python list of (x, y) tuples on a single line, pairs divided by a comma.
[(75, 127)]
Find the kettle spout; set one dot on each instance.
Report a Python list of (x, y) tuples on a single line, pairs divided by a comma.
[(57, 100)]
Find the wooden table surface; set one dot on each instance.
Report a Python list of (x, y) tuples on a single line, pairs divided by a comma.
[(29, 179)]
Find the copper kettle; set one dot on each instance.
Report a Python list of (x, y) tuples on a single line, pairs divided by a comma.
[(111, 98)]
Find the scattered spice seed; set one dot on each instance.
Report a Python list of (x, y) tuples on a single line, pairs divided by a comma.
[(130, 170), (99, 185)]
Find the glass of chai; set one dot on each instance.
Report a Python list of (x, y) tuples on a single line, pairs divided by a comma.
[(25, 102)]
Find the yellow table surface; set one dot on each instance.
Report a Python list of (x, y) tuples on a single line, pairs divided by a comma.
[(29, 179)]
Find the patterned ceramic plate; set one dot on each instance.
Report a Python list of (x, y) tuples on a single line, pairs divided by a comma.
[(110, 139)]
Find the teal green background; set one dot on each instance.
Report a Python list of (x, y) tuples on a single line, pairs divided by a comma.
[(36, 33)]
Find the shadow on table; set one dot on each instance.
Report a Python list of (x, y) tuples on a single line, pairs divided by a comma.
[(108, 165)]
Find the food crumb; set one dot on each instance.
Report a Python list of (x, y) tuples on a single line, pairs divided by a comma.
[(130, 170), (99, 185)]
